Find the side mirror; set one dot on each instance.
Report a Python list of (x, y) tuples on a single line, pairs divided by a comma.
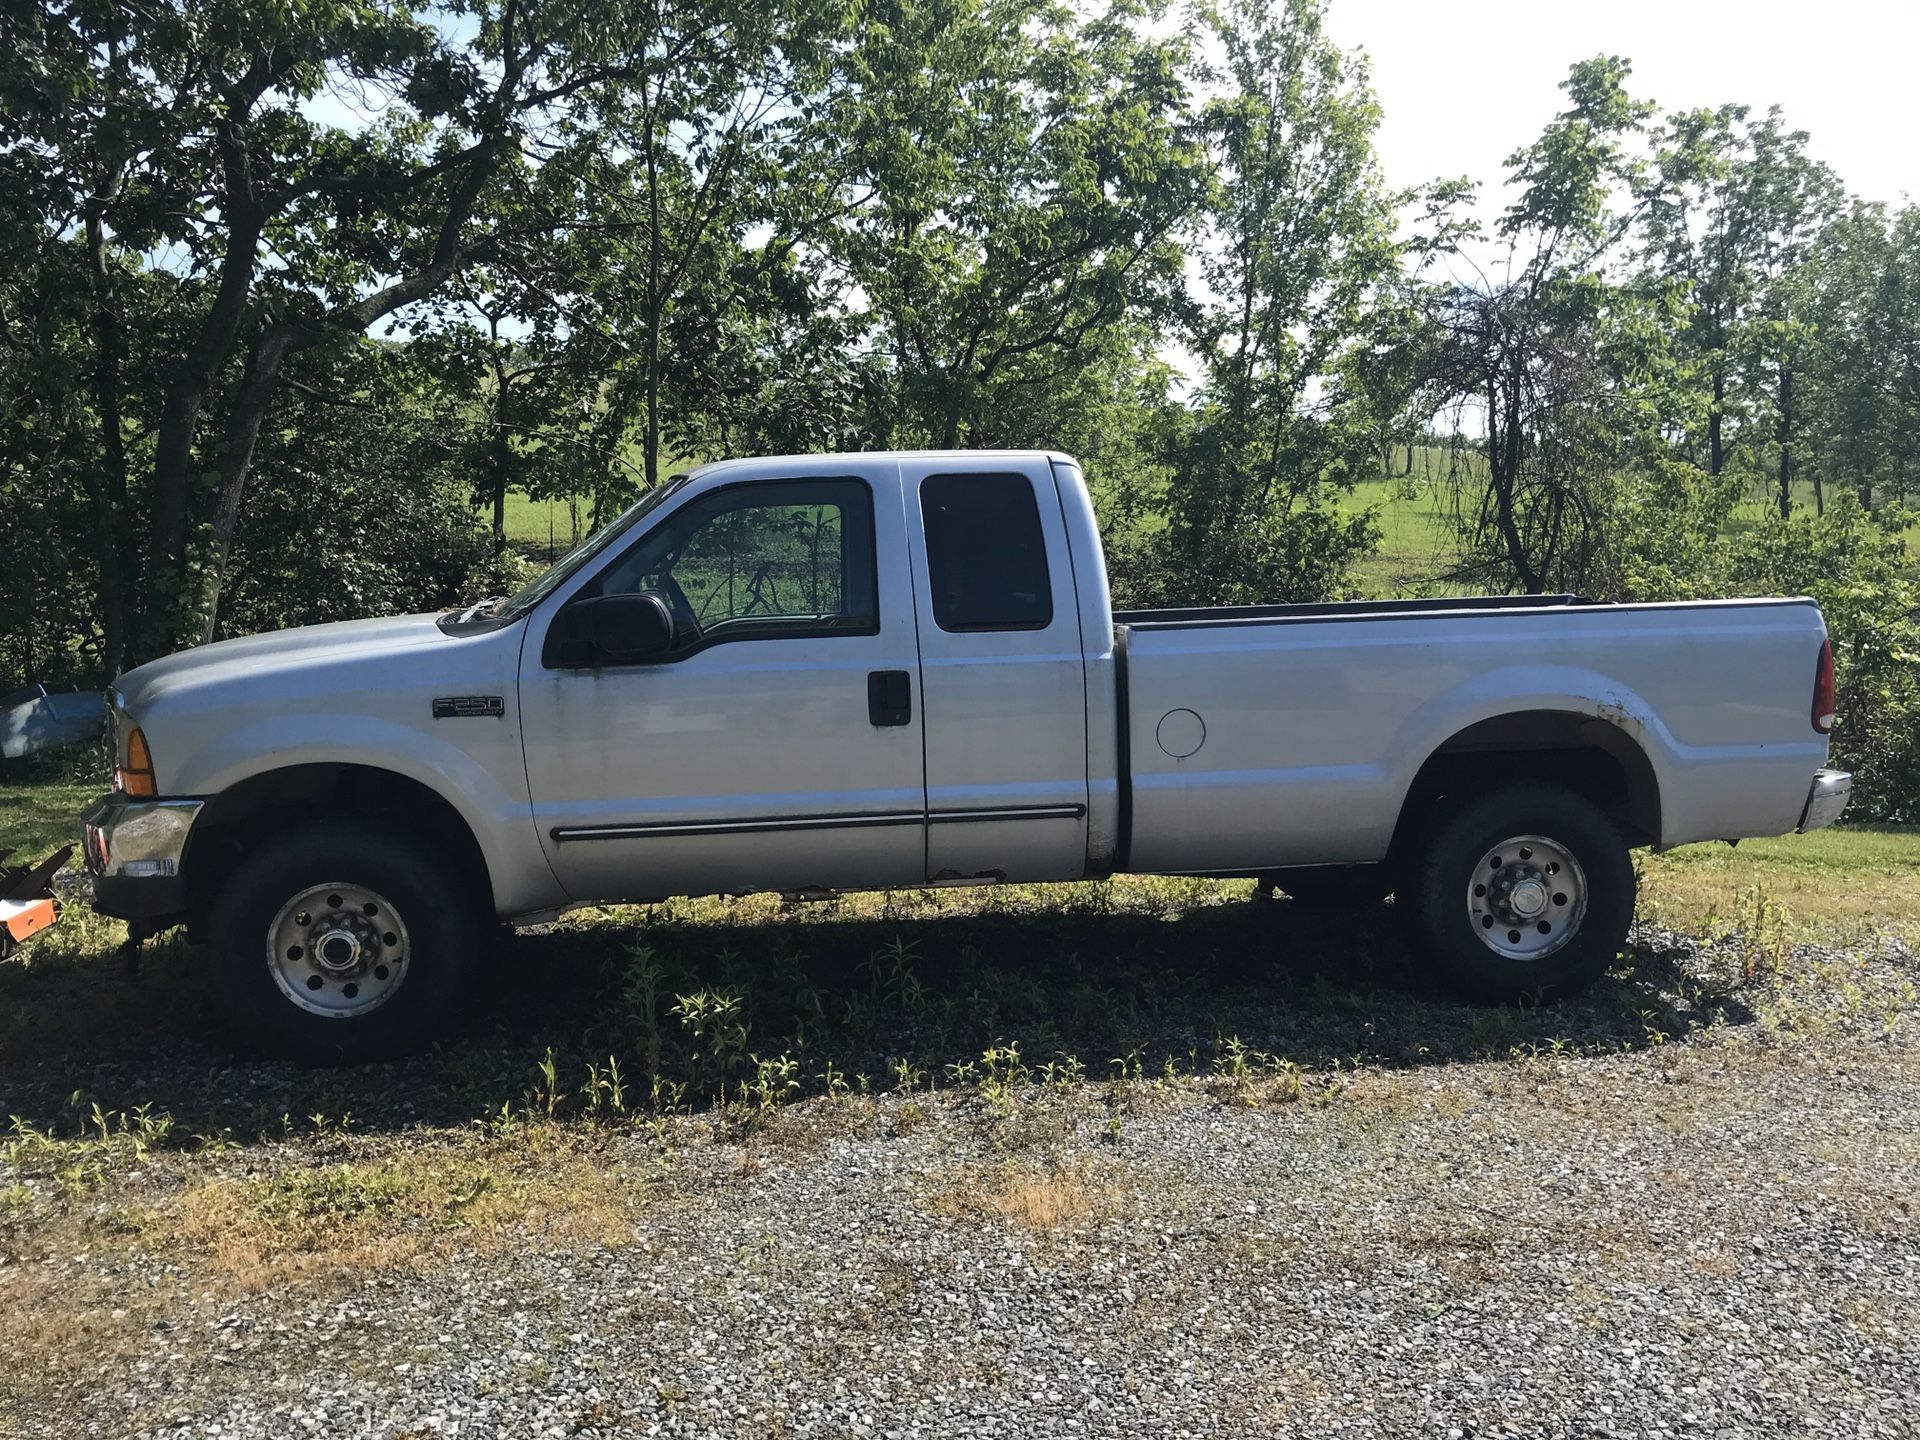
[(625, 628)]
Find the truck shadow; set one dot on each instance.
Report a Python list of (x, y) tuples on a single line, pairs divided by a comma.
[(1079, 992)]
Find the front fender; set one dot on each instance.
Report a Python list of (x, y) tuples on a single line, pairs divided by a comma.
[(484, 780)]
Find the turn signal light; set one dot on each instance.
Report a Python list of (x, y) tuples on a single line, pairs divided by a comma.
[(136, 776)]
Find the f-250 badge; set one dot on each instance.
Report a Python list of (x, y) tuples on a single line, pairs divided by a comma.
[(469, 707)]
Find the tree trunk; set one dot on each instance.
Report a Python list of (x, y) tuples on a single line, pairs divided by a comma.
[(1716, 451), (499, 451), (169, 487), (165, 610), (1503, 465), (650, 437), (1409, 469), (1785, 437), (250, 403), (502, 468), (109, 491), (262, 374), (950, 422)]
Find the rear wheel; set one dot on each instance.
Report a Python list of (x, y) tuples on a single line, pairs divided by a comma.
[(342, 944), (1523, 894)]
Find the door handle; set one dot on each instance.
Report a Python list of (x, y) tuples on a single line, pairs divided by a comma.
[(890, 697)]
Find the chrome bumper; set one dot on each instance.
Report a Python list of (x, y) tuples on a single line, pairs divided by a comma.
[(137, 839), (1826, 799)]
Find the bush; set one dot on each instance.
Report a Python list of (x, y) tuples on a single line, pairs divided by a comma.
[(350, 520), (1857, 566)]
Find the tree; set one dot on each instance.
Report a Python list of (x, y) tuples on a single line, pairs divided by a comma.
[(717, 136), (1016, 184), (1790, 198), (1297, 249), (287, 233), (1523, 357), (1862, 367), (1700, 239)]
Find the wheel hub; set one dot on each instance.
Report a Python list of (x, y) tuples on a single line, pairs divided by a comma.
[(338, 950), (1527, 897)]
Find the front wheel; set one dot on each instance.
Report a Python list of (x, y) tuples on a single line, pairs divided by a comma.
[(1523, 894), (341, 945)]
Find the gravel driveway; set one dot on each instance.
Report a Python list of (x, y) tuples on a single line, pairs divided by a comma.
[(1713, 1235)]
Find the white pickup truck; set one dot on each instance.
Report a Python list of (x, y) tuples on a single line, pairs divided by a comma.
[(841, 672)]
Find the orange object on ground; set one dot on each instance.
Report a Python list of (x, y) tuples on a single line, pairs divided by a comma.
[(26, 899), (23, 918)]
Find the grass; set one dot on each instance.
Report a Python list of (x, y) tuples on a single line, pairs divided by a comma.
[(1417, 544), (39, 815), (1844, 878), (544, 530), (510, 1189), (1043, 1201)]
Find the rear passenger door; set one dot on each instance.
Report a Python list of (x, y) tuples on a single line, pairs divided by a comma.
[(1003, 680)]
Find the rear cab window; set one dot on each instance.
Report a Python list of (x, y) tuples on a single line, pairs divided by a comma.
[(986, 556)]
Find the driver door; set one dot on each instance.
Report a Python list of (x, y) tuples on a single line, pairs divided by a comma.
[(777, 742)]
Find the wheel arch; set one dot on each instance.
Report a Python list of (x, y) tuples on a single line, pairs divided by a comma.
[(271, 801), (1587, 753)]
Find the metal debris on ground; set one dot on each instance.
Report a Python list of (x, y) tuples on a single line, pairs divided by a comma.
[(27, 905)]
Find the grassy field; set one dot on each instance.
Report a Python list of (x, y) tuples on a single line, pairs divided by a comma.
[(544, 529), (1418, 540)]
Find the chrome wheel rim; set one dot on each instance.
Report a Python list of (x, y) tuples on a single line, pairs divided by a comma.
[(338, 950), (1527, 897)]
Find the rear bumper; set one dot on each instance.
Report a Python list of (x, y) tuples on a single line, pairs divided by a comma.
[(1826, 799), (133, 852)]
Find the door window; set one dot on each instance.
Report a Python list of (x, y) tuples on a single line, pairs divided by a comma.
[(762, 561), (986, 558)]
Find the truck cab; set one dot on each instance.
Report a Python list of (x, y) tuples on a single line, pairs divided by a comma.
[(887, 651)]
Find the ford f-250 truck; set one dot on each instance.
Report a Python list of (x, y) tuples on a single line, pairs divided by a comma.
[(863, 671)]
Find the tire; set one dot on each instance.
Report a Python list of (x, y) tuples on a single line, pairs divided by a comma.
[(373, 934), (1334, 887), (1518, 930)]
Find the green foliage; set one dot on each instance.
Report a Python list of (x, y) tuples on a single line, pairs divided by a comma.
[(1297, 240), (1673, 545), (1862, 574), (1023, 175)]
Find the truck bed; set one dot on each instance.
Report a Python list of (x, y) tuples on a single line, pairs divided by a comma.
[(1305, 726)]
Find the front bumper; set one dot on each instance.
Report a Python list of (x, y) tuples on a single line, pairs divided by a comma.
[(1826, 799), (133, 851)]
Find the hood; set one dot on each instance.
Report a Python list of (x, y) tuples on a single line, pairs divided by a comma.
[(254, 656)]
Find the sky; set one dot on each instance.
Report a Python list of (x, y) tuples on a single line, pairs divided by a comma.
[(1464, 85)]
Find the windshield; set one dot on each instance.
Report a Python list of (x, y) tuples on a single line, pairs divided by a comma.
[(532, 593)]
